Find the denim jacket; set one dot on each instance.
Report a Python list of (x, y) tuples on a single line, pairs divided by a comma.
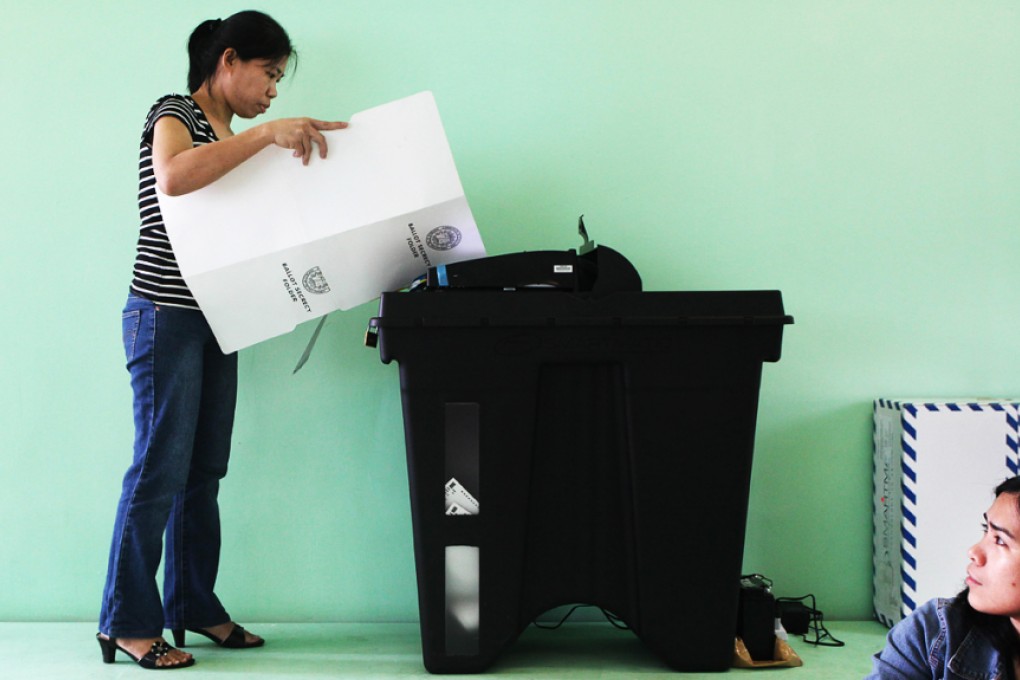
[(933, 643)]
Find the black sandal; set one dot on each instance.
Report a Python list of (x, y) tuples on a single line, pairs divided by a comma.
[(159, 649), (235, 640)]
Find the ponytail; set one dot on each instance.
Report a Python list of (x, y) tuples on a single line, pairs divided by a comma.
[(202, 56)]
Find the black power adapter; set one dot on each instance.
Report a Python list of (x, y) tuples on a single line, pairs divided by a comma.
[(795, 616)]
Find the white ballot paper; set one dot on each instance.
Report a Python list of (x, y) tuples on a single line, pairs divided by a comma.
[(459, 500), (275, 243)]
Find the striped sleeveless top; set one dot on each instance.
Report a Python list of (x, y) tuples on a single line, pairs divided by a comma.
[(156, 275)]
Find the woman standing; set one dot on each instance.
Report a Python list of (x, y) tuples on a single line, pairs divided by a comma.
[(184, 386), (977, 633)]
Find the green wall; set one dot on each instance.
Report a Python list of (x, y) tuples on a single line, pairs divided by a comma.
[(861, 156)]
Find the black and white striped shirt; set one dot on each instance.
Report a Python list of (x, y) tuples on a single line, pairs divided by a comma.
[(156, 275)]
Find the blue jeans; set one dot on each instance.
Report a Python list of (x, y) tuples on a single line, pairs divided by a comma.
[(185, 390)]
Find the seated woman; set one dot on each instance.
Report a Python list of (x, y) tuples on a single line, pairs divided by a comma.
[(977, 633)]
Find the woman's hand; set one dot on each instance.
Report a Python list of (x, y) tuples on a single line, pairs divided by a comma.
[(301, 134), (181, 168)]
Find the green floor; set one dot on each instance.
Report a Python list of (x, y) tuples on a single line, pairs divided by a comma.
[(68, 651)]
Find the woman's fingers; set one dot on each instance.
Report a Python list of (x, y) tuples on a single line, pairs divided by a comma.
[(319, 138), (303, 134)]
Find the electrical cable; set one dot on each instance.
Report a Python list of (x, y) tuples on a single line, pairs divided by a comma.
[(612, 618), (816, 625)]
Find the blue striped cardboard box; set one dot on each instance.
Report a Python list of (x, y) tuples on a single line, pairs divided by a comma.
[(936, 463)]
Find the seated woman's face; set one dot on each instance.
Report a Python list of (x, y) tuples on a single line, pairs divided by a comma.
[(993, 575)]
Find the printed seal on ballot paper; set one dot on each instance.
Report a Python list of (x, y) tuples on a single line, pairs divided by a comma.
[(315, 282), (443, 238)]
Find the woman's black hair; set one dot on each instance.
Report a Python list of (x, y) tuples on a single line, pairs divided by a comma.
[(253, 35), (998, 629)]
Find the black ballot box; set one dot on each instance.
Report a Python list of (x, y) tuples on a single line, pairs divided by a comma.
[(567, 446)]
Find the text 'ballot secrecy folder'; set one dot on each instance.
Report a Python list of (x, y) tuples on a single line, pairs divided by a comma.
[(275, 243)]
